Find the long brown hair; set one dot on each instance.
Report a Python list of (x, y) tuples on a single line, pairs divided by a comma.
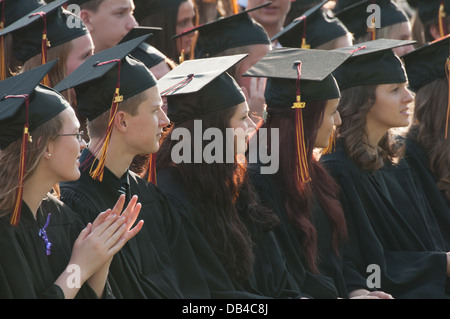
[(353, 107), (299, 198), (10, 157), (428, 129), (231, 215)]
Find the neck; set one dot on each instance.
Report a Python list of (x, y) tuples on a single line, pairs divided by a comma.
[(36, 189), (118, 160), (272, 30), (375, 133)]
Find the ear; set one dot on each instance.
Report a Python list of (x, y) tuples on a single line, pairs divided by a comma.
[(121, 121), (49, 150), (87, 18)]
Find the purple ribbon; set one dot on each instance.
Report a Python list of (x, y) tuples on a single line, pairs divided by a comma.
[(43, 235)]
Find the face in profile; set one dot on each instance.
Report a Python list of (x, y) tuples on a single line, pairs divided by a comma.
[(331, 119), (243, 126)]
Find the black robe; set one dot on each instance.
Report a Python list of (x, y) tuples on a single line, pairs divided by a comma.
[(418, 160), (26, 271), (269, 279), (158, 262), (391, 225), (330, 282)]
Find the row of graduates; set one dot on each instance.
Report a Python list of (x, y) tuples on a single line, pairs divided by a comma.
[(206, 233)]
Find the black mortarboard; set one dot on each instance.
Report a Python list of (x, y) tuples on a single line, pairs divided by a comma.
[(145, 8), (372, 63), (200, 86), (110, 75), (296, 76), (354, 15), (314, 28), (145, 52), (24, 106), (280, 67), (16, 9), (427, 63), (228, 32), (46, 25), (432, 10)]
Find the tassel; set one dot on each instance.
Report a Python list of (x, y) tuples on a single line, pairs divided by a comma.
[(304, 44), (26, 138), (181, 58), (152, 169), (44, 45), (97, 173), (302, 172), (331, 143), (235, 6), (441, 19)]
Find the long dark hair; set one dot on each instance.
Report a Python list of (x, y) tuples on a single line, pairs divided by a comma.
[(299, 198), (231, 215)]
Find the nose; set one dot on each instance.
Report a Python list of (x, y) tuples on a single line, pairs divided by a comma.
[(131, 22), (408, 96), (83, 144), (163, 120)]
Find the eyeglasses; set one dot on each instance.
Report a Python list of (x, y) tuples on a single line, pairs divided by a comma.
[(79, 135)]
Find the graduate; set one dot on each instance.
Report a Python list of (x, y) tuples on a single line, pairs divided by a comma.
[(174, 17), (120, 98), (306, 198), (229, 230), (231, 35), (45, 251), (389, 21), (316, 28), (427, 139), (70, 45), (396, 242), (432, 20)]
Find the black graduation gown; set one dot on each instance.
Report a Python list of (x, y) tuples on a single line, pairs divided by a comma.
[(26, 272), (328, 284), (269, 279), (418, 160), (391, 225), (158, 262)]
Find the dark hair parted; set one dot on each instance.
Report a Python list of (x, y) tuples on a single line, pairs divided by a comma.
[(353, 107), (231, 216), (299, 198), (428, 129)]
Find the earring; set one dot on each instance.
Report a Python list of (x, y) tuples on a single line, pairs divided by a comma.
[(49, 154)]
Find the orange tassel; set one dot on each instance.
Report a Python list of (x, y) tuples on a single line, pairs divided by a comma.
[(152, 169), (331, 143), (26, 138), (235, 6), (44, 45), (97, 173), (441, 19), (302, 172)]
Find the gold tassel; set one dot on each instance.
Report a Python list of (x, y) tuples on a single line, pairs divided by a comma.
[(442, 16), (235, 6), (45, 45), (181, 58), (302, 172), (331, 143), (97, 173)]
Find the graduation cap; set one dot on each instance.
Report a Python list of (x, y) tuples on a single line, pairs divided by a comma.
[(45, 26), (200, 86), (24, 106), (145, 52), (428, 63), (295, 77), (434, 10), (145, 8), (228, 32), (353, 13), (110, 75), (372, 63), (314, 28)]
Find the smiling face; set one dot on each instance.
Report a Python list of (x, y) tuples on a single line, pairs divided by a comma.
[(65, 149)]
